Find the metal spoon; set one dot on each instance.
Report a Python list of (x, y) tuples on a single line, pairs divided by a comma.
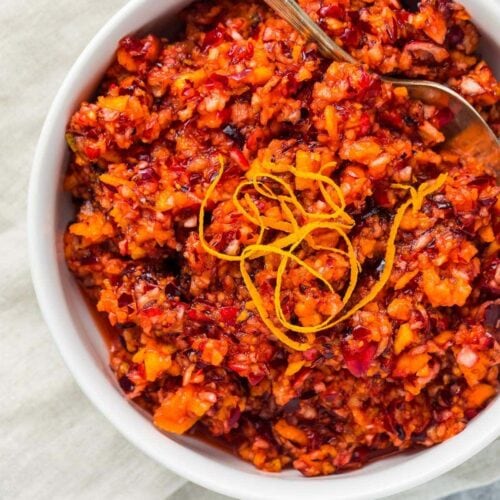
[(467, 134)]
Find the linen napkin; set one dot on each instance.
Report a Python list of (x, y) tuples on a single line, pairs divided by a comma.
[(53, 443)]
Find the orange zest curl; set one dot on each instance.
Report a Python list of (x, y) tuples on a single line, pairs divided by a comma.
[(263, 178)]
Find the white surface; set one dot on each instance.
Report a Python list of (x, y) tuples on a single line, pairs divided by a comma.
[(53, 445)]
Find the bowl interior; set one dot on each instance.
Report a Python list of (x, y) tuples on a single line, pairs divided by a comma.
[(77, 334)]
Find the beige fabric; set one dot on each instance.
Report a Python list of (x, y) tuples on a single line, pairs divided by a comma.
[(53, 443)]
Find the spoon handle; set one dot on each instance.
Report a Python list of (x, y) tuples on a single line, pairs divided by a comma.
[(293, 14), (467, 135)]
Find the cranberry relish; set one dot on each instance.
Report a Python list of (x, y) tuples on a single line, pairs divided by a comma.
[(412, 366)]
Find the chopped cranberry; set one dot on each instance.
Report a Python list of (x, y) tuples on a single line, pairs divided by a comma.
[(291, 85), (151, 312), (311, 354), (124, 326), (492, 317), (351, 37), (190, 93), (353, 16), (92, 134), (215, 37), (455, 36), (172, 291), (441, 202), (357, 22), (301, 378), (488, 202), (370, 86), (365, 80), (224, 239), (238, 77), (124, 300), (359, 352), (402, 19), (228, 314), (360, 333), (392, 30), (141, 370), (256, 138), (234, 416), (444, 397), (365, 125), (89, 260), (239, 53), (443, 117), (132, 45), (443, 6), (336, 11), (147, 175), (216, 81), (381, 193), (482, 181), (470, 413), (224, 115), (487, 342), (143, 49), (391, 118), (199, 316), (238, 157), (360, 455), (91, 152), (419, 437), (126, 384), (466, 224), (115, 280), (255, 378), (410, 5), (308, 394)]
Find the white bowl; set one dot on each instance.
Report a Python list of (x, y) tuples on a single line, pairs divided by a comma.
[(81, 345)]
